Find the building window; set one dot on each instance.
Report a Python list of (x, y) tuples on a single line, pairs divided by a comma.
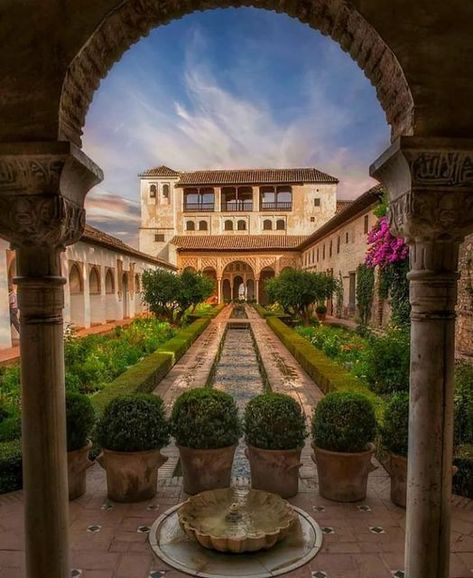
[(346, 237), (312, 219), (166, 191), (317, 202), (276, 198), (280, 225), (241, 225), (237, 199), (152, 191), (199, 199), (318, 255), (228, 226), (267, 225), (159, 237), (338, 244), (323, 252), (203, 226), (190, 226), (330, 249), (366, 224)]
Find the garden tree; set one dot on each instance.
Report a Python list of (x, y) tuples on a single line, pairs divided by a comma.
[(160, 291), (364, 292), (194, 289), (296, 291), (169, 296)]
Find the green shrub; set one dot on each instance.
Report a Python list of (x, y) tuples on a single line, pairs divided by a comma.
[(387, 362), (80, 420), (205, 418), (463, 479), (395, 429), (274, 421), (133, 423), (10, 428), (464, 402), (344, 422), (11, 475), (321, 309)]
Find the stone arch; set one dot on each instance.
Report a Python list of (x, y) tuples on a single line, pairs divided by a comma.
[(94, 281), (131, 20), (238, 273), (76, 283), (109, 282), (265, 274)]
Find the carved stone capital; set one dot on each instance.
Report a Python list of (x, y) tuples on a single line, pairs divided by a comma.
[(42, 193), (430, 187)]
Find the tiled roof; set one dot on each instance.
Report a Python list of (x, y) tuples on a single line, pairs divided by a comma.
[(362, 203), (98, 237), (161, 171), (236, 242), (342, 205), (255, 176)]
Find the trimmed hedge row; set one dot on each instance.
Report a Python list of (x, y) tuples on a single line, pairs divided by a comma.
[(463, 479), (11, 475), (145, 375), (327, 374)]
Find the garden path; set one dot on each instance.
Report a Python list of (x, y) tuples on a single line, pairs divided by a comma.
[(109, 540)]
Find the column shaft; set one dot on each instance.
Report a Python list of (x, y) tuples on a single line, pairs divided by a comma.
[(433, 290)]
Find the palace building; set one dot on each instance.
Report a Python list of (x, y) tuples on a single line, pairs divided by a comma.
[(238, 226)]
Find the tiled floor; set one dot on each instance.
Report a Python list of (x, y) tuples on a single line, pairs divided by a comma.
[(110, 540)]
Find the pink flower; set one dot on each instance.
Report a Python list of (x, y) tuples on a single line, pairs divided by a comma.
[(384, 248)]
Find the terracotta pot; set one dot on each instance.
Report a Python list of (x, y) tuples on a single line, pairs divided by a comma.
[(343, 477), (397, 468), (275, 471), (131, 476), (77, 465), (206, 469)]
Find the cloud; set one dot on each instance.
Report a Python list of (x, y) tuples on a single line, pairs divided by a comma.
[(193, 114)]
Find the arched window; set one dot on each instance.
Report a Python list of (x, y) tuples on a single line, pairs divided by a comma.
[(241, 225), (152, 191), (267, 225), (165, 191), (190, 226), (228, 225), (203, 226), (94, 281), (109, 282), (75, 280), (280, 224)]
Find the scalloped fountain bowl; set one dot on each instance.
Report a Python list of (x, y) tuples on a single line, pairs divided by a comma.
[(237, 520)]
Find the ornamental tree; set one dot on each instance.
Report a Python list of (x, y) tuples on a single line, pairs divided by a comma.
[(297, 291)]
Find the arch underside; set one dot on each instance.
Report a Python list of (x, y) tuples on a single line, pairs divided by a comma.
[(133, 19)]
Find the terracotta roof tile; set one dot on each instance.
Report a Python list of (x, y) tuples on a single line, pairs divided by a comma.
[(161, 171), (96, 236), (237, 242), (342, 205), (255, 176)]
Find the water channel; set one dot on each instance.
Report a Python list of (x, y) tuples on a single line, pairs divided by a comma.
[(238, 372)]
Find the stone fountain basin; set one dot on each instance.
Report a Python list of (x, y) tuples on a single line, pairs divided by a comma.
[(237, 520)]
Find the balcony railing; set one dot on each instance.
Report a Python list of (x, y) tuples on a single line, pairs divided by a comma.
[(202, 207), (265, 206), (237, 206)]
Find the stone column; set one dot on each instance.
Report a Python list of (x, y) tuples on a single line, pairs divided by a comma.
[(430, 186), (42, 190), (257, 289), (219, 290)]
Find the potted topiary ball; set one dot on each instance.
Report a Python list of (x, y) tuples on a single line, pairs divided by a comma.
[(343, 429), (394, 437), (131, 432), (80, 420), (275, 431), (321, 312), (206, 426)]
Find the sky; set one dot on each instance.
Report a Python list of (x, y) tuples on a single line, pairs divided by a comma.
[(233, 88)]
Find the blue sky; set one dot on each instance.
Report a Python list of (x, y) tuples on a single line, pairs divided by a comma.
[(229, 88)]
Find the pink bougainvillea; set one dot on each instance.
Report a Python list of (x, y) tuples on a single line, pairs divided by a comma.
[(384, 249)]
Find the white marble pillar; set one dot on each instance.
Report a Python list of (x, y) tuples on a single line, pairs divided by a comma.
[(40, 213), (430, 186)]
